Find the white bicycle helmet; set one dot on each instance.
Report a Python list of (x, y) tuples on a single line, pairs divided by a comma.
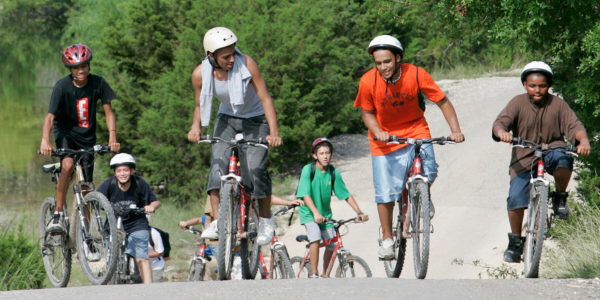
[(537, 67), (122, 159), (217, 38), (387, 42)]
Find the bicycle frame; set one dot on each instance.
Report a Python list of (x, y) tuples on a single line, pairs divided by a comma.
[(339, 251), (275, 245)]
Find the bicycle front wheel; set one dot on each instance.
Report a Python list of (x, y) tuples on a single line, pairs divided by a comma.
[(296, 262), (227, 227), (96, 251), (421, 227), (284, 265), (393, 267), (353, 266), (249, 252), (54, 247), (536, 231)]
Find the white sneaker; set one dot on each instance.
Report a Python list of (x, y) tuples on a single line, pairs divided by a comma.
[(387, 249), (211, 231), (91, 256), (266, 230)]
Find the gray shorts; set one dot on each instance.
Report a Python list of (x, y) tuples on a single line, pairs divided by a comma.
[(137, 244), (315, 234), (253, 160)]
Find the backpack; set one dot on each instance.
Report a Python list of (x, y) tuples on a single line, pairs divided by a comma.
[(421, 96), (165, 239)]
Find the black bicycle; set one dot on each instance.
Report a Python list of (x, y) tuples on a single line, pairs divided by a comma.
[(539, 212), (127, 271), (94, 227)]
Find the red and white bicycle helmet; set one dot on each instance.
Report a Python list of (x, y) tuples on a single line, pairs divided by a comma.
[(122, 159), (319, 141), (537, 67), (76, 54)]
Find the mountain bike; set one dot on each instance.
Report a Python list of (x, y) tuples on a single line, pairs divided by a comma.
[(349, 265), (234, 220), (198, 265), (539, 212), (411, 217), (94, 227), (280, 266), (127, 271)]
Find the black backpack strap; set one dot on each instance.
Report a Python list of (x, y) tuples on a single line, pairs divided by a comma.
[(151, 240), (420, 95), (332, 173), (138, 189), (313, 169), (111, 186)]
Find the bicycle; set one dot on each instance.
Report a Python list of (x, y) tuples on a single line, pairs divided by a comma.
[(127, 271), (280, 266), (412, 218), (539, 212), (198, 265), (92, 215), (347, 262), (233, 220)]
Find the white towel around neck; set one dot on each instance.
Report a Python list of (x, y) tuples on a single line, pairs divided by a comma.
[(238, 79)]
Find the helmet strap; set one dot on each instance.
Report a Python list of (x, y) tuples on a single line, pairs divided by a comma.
[(213, 62)]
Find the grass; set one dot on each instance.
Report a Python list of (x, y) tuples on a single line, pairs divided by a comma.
[(476, 70), (577, 254)]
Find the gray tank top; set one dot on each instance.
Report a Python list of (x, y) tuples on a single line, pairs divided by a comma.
[(252, 105)]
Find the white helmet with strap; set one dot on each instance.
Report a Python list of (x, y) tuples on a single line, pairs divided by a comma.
[(387, 42), (217, 38), (122, 159), (537, 67)]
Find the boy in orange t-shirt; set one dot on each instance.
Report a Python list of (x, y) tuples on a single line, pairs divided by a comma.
[(388, 96)]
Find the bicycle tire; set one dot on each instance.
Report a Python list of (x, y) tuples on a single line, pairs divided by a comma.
[(192, 270), (393, 268), (249, 250), (296, 262), (536, 231), (227, 224), (350, 264), (121, 257), (103, 239), (287, 272), (421, 222), (56, 258), (199, 273)]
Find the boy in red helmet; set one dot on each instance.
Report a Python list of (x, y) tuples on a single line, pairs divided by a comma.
[(317, 182), (72, 113)]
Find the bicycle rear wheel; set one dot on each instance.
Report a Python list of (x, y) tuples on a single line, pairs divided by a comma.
[(536, 231), (227, 227), (393, 267), (296, 262), (421, 227), (284, 264), (54, 247), (353, 266), (249, 251), (102, 239)]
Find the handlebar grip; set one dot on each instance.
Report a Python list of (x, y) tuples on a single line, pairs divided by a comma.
[(39, 152), (205, 137), (517, 140), (572, 148), (374, 138)]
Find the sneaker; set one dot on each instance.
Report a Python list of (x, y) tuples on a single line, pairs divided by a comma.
[(314, 276), (387, 249), (266, 230), (91, 255), (211, 232), (56, 225), (559, 204), (515, 248)]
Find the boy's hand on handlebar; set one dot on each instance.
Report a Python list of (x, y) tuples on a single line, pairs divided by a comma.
[(182, 224), (506, 137), (363, 218), (584, 147), (149, 209), (194, 134), (297, 202), (383, 136), (114, 146), (457, 137), (46, 148), (319, 218), (273, 140)]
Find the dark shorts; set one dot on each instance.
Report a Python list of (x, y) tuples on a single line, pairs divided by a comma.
[(518, 194), (253, 160), (87, 160)]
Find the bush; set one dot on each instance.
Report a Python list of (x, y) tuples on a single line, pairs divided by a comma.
[(20, 263)]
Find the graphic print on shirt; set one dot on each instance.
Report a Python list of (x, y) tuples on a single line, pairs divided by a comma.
[(396, 99), (83, 114)]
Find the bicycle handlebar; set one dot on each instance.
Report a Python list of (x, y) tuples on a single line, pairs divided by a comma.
[(124, 208), (522, 143), (260, 142), (63, 151), (411, 141), (341, 222), (285, 209), (193, 230)]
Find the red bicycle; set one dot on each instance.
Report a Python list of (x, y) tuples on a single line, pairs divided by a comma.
[(413, 219), (349, 265), (198, 265), (234, 220), (280, 266)]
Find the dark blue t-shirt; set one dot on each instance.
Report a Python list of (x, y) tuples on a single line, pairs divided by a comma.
[(135, 222)]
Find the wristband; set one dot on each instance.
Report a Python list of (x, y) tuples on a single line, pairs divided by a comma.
[(359, 213)]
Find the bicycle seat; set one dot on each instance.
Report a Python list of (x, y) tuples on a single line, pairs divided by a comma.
[(51, 167), (302, 238)]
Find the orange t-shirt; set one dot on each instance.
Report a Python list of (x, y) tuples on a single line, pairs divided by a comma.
[(397, 111)]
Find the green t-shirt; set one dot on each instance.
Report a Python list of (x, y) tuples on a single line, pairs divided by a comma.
[(320, 192)]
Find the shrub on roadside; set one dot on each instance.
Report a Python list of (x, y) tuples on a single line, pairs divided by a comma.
[(20, 263)]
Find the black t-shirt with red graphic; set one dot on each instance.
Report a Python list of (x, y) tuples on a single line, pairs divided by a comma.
[(75, 108)]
